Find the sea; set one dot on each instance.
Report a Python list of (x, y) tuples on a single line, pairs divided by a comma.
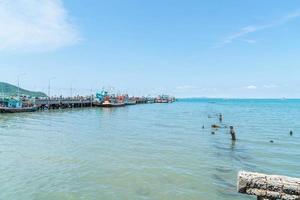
[(147, 151)]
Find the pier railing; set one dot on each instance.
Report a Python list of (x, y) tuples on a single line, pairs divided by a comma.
[(54, 103), (268, 186)]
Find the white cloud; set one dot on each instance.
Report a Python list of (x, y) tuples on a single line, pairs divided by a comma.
[(254, 28), (251, 87), (270, 86), (35, 25), (249, 41)]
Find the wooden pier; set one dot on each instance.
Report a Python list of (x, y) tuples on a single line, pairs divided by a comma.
[(78, 102), (57, 103)]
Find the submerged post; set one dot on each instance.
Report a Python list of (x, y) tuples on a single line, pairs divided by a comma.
[(268, 186), (220, 117)]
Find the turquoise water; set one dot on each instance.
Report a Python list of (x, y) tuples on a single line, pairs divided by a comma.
[(155, 151)]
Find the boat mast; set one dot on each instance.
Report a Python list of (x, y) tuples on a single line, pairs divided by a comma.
[(49, 93), (49, 89), (18, 87), (2, 92)]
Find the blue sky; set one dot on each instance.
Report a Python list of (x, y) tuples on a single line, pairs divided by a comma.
[(245, 49)]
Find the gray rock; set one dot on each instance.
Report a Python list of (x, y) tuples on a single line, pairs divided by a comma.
[(268, 186)]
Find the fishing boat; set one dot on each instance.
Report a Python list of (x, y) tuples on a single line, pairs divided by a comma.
[(150, 100), (108, 103), (105, 99), (15, 104), (18, 110), (165, 99), (130, 102), (11, 105)]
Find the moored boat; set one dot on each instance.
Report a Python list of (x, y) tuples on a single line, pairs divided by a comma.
[(104, 99), (164, 99), (130, 102), (11, 105), (112, 104), (18, 110)]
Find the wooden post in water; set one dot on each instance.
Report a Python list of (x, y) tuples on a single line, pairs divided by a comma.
[(270, 187), (220, 117)]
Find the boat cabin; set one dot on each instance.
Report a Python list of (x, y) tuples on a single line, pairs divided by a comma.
[(12, 103)]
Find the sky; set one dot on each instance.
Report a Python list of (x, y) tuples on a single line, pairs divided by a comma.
[(191, 48)]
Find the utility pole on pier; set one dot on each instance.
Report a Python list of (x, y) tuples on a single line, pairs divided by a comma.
[(19, 84), (91, 97), (71, 91), (49, 90)]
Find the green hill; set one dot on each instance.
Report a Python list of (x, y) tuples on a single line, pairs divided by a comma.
[(7, 89)]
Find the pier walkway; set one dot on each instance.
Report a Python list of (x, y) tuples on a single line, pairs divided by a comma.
[(76, 102)]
